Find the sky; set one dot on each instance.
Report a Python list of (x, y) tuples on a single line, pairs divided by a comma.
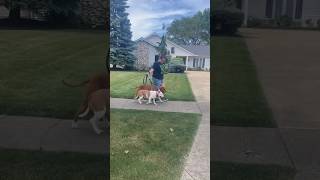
[(147, 16)]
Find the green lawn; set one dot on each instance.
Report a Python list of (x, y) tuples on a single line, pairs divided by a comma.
[(123, 85), (234, 171), (39, 165), (238, 99), (144, 148), (34, 62)]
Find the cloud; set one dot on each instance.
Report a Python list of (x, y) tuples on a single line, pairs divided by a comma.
[(147, 16)]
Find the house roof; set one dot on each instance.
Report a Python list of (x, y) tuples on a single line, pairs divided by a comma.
[(197, 50), (200, 50)]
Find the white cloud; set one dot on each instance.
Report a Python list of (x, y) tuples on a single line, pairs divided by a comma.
[(147, 16)]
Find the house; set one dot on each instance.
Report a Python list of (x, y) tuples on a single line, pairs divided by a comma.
[(92, 12), (305, 12), (194, 57)]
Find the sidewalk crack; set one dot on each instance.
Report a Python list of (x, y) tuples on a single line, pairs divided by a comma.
[(189, 174)]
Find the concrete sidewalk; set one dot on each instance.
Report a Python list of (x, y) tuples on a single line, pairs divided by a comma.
[(197, 165), (50, 134), (289, 69), (296, 148), (170, 106), (36, 133)]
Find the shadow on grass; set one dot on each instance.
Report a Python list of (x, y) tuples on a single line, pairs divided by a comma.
[(39, 165), (238, 98), (237, 171)]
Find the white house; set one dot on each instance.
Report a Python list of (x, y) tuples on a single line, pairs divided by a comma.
[(194, 57), (303, 11)]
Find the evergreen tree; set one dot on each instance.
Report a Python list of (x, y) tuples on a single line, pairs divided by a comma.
[(120, 35)]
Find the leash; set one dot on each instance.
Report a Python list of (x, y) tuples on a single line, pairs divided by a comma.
[(146, 78)]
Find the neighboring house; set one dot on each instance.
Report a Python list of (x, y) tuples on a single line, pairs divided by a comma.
[(92, 12), (194, 57), (25, 13), (302, 11)]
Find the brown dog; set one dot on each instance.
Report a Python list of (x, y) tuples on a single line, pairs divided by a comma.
[(150, 87), (96, 82), (97, 101)]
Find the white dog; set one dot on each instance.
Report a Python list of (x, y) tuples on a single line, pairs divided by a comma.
[(97, 104), (150, 95)]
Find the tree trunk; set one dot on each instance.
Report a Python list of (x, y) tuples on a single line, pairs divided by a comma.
[(14, 13)]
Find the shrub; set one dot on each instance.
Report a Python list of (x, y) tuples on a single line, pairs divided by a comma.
[(254, 22), (284, 21), (318, 23), (309, 23), (226, 21)]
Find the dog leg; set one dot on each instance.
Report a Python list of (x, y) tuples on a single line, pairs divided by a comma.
[(140, 98), (149, 100), (154, 101), (94, 121), (160, 99), (82, 108)]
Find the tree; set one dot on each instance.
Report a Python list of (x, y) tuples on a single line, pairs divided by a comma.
[(120, 35), (62, 12), (193, 30)]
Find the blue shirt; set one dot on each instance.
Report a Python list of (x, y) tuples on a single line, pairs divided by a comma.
[(157, 72)]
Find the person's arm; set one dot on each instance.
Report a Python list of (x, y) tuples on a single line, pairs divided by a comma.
[(151, 72)]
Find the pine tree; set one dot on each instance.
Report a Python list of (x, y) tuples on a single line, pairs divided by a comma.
[(120, 35)]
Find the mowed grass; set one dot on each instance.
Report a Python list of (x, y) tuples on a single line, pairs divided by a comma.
[(33, 64), (39, 165), (123, 85), (238, 98), (236, 171), (142, 146)]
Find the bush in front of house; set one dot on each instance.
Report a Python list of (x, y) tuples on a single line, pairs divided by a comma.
[(226, 21), (284, 21)]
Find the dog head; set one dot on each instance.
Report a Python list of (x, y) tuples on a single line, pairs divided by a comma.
[(160, 94), (163, 90)]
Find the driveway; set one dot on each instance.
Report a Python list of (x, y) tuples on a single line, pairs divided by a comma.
[(197, 165), (288, 65)]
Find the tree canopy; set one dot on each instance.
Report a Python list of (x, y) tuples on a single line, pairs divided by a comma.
[(193, 30)]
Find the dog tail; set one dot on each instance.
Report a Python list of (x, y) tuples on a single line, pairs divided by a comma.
[(84, 113), (75, 85)]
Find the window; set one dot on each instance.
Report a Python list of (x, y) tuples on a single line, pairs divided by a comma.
[(290, 8), (299, 9), (279, 4), (172, 50), (239, 4), (269, 8)]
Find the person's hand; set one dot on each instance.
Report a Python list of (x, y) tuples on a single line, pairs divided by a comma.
[(151, 71)]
